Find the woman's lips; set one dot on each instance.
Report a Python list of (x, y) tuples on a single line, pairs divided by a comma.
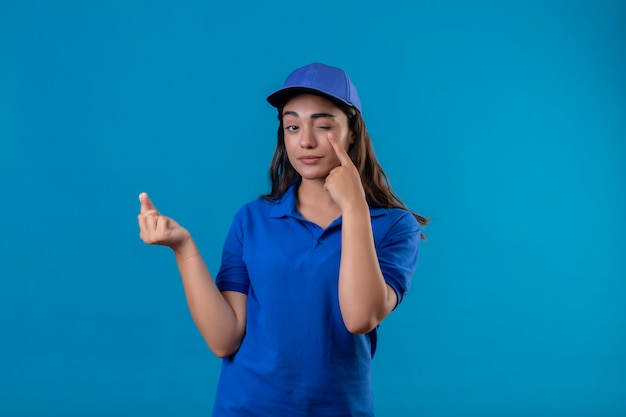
[(309, 159)]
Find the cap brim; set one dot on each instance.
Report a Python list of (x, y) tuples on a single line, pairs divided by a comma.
[(280, 97)]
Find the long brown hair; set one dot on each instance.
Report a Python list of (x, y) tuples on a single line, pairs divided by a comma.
[(378, 192)]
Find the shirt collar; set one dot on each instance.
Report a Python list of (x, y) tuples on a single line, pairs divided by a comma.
[(286, 205)]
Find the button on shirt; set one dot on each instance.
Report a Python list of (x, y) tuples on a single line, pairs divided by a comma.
[(297, 358)]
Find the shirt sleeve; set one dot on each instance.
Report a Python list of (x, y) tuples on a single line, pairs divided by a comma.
[(233, 273), (397, 253)]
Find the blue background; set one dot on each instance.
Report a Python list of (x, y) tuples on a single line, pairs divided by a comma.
[(504, 123)]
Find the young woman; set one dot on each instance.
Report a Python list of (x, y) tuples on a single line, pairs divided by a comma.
[(309, 270)]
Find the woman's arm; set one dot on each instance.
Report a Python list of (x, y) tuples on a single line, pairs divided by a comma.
[(220, 317), (365, 298)]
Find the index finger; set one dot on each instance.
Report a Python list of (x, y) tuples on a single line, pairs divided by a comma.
[(343, 156), (146, 203)]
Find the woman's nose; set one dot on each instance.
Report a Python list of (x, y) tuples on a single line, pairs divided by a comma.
[(307, 139)]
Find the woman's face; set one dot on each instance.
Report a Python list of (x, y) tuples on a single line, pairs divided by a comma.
[(308, 120)]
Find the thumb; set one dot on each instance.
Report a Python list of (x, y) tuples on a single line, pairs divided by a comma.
[(146, 203)]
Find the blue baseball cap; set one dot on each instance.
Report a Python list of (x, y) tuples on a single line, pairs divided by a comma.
[(318, 79)]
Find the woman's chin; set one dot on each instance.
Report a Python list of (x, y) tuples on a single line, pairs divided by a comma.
[(313, 174)]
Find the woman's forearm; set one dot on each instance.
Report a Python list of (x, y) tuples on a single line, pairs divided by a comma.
[(219, 317), (365, 298)]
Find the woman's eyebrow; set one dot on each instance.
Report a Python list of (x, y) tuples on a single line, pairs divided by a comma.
[(321, 115), (313, 116)]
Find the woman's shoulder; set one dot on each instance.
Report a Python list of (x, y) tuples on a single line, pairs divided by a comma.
[(395, 219)]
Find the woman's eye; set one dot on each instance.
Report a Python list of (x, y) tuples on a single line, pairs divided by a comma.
[(323, 127), (291, 128)]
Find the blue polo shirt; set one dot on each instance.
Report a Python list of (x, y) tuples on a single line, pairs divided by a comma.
[(297, 358)]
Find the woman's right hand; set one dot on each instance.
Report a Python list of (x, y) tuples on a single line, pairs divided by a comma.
[(156, 229)]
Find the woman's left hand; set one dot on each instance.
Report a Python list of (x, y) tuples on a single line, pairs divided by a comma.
[(343, 183)]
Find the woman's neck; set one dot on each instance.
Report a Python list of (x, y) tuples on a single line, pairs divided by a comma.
[(315, 203)]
